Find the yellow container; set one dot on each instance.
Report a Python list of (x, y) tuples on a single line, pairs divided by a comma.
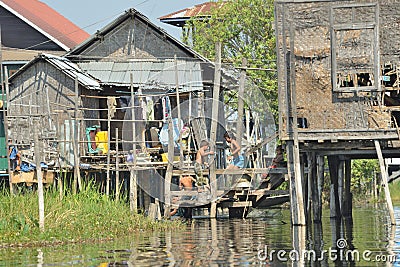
[(164, 157), (102, 141)]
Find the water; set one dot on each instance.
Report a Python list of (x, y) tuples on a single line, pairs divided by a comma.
[(262, 241)]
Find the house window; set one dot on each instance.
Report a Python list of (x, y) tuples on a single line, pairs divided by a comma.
[(354, 48)]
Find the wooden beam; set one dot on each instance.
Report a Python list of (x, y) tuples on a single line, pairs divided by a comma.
[(333, 162), (214, 124), (242, 83), (76, 136), (385, 183), (133, 171), (39, 176), (5, 100), (168, 175), (178, 107)]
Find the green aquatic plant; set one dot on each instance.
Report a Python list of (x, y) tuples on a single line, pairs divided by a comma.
[(87, 215)]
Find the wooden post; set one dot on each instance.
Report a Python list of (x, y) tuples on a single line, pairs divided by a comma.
[(76, 136), (60, 180), (168, 175), (5, 118), (214, 124), (347, 207), (133, 172), (341, 185), (39, 175), (242, 83), (178, 107), (385, 182), (109, 147), (312, 183), (317, 189), (294, 171), (333, 162), (116, 166), (71, 134)]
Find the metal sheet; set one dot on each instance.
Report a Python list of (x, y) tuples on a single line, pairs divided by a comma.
[(147, 74)]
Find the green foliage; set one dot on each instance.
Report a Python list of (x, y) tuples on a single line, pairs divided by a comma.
[(362, 175), (87, 215), (245, 29)]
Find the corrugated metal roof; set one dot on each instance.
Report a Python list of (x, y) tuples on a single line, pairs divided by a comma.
[(178, 18), (72, 70), (147, 74)]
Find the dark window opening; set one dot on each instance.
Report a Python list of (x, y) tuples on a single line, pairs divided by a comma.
[(354, 80), (390, 76)]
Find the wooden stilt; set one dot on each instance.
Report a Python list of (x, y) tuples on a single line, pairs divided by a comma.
[(242, 81), (132, 169), (109, 146), (296, 188), (312, 184), (170, 166), (178, 107), (5, 117), (72, 144), (214, 124), (341, 185), (317, 189), (77, 172), (385, 182), (294, 172), (39, 175), (347, 207), (333, 162), (116, 165)]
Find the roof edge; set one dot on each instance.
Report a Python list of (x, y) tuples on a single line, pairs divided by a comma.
[(128, 14), (30, 23)]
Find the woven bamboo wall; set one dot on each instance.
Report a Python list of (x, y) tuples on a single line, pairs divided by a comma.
[(307, 27)]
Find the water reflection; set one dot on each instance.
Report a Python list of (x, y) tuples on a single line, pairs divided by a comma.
[(255, 241)]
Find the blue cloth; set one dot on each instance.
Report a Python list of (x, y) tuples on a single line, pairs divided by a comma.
[(13, 152), (27, 167), (238, 161)]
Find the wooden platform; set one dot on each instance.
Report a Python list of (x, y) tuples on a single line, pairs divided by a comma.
[(30, 177)]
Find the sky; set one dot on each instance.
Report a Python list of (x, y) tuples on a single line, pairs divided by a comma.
[(92, 15)]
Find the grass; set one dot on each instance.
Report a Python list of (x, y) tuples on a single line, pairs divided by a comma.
[(86, 216), (395, 192)]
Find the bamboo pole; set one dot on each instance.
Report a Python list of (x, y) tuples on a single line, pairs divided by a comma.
[(108, 150), (178, 106), (168, 176), (385, 182), (72, 143), (59, 144), (143, 132), (133, 172), (39, 176), (76, 136), (214, 124), (116, 166), (242, 80), (5, 118)]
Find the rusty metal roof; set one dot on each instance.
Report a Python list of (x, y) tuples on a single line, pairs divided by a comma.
[(147, 74), (179, 18)]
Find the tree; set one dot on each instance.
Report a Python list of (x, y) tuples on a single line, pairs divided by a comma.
[(245, 28)]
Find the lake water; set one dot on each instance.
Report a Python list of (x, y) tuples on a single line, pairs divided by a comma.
[(266, 240)]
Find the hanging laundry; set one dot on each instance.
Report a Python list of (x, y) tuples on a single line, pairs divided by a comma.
[(166, 103), (150, 109), (112, 105), (176, 132)]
